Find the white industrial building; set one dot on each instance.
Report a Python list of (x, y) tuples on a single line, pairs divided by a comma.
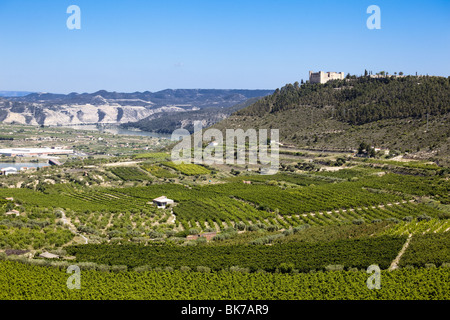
[(30, 152)]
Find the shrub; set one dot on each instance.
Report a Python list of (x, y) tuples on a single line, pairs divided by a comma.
[(185, 269), (239, 269), (203, 269), (334, 267), (407, 218), (258, 242), (104, 268), (423, 217), (394, 220), (60, 264), (241, 226), (358, 221), (120, 268), (430, 265), (87, 265), (201, 240), (142, 268), (253, 227), (194, 231), (285, 267), (443, 215), (182, 234), (301, 228), (261, 226), (228, 230), (170, 233), (272, 228)]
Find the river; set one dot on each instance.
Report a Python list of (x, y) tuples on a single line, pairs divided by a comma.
[(117, 130), (19, 165)]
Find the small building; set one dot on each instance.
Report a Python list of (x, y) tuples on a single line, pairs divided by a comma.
[(162, 202), (8, 171), (246, 182), (48, 255), (10, 199), (193, 237), (208, 235)]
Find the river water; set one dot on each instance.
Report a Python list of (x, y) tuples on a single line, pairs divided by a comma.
[(19, 165), (117, 130)]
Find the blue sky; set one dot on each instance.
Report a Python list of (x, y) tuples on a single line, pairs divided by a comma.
[(139, 45)]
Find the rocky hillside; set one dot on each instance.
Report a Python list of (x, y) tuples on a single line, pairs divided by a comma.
[(114, 107), (167, 122)]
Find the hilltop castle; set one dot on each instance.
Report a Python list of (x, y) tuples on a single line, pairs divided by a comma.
[(323, 77)]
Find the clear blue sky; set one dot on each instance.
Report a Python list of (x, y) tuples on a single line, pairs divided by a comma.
[(138, 45)]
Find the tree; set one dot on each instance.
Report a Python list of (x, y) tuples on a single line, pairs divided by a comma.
[(366, 73), (362, 147), (400, 73)]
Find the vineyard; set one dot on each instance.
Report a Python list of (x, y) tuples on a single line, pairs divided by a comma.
[(130, 174), (358, 253), (153, 156), (188, 169), (427, 249), (227, 204), (158, 171), (404, 284)]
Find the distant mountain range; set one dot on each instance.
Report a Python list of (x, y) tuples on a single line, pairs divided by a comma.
[(120, 108), (14, 93)]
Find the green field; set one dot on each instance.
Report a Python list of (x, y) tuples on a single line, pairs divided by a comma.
[(418, 284), (188, 169)]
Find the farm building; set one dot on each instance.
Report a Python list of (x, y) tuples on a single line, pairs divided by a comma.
[(207, 235), (48, 255), (162, 202)]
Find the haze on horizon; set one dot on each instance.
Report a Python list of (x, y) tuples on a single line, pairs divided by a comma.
[(129, 46)]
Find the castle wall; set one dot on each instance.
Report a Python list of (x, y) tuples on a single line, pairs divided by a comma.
[(323, 77)]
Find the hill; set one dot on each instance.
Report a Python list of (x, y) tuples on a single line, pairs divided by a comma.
[(115, 107), (406, 114), (167, 122)]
